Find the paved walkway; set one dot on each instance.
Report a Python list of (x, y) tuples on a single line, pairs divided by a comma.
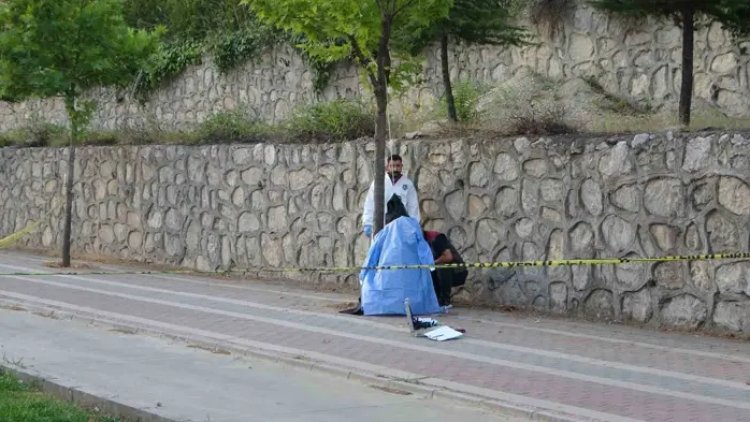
[(554, 369), (162, 377)]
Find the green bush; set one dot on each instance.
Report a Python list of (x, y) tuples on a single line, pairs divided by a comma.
[(37, 134), (231, 126), (232, 48), (12, 138), (167, 63), (46, 134), (466, 96), (339, 119)]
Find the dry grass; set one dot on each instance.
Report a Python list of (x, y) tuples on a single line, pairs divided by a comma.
[(211, 349), (123, 331), (529, 104), (73, 265), (15, 307), (657, 122)]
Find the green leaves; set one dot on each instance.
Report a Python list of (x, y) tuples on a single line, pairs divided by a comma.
[(48, 48), (231, 48), (469, 21), (224, 29), (65, 47), (332, 30), (169, 60), (319, 23)]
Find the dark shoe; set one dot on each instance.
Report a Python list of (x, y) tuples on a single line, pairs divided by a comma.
[(357, 310)]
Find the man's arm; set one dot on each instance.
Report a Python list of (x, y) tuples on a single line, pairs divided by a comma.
[(441, 246), (445, 258), (412, 201), (369, 207)]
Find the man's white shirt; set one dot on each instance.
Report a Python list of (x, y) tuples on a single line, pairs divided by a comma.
[(403, 187)]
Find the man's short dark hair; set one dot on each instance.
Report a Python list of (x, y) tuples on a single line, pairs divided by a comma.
[(394, 157)]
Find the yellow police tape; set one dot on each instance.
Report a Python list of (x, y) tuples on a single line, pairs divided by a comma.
[(12, 238), (476, 265), (538, 263)]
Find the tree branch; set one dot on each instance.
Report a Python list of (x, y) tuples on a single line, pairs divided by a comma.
[(364, 61), (406, 5)]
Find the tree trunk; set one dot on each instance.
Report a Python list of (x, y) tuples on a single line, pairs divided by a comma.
[(381, 98), (70, 107), (380, 135), (452, 116), (686, 89)]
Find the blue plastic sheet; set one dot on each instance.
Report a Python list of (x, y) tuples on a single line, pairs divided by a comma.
[(383, 291)]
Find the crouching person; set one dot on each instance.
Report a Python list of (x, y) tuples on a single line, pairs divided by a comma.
[(444, 279), (401, 242)]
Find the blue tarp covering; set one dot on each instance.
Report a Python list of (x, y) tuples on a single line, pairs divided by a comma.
[(383, 291)]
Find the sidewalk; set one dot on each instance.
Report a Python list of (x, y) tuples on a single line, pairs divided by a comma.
[(158, 378), (551, 369)]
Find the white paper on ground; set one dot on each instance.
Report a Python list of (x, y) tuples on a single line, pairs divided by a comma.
[(443, 333)]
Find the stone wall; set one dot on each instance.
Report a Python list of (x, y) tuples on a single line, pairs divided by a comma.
[(637, 60), (262, 206)]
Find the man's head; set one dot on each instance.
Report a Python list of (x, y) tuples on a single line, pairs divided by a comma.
[(395, 166)]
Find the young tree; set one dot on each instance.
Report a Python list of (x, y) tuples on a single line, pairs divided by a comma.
[(361, 29), (62, 48), (470, 22), (732, 14)]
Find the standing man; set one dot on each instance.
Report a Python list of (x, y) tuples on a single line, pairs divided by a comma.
[(395, 184)]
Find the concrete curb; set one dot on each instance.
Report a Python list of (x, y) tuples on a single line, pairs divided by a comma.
[(392, 381), (72, 394)]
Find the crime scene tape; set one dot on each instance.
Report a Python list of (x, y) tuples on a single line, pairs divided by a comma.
[(475, 265), (12, 238)]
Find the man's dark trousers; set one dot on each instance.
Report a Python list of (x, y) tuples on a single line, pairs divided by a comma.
[(442, 281)]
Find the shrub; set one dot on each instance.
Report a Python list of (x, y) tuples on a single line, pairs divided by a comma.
[(466, 95), (539, 118), (47, 134), (37, 133), (339, 119), (231, 126), (12, 138)]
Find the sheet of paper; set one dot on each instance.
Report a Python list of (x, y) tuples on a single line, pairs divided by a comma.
[(443, 333)]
